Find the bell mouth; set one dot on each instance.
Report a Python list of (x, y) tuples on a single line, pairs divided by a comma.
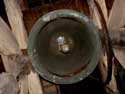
[(68, 33), (64, 46)]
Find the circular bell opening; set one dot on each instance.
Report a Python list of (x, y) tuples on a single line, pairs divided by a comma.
[(64, 46)]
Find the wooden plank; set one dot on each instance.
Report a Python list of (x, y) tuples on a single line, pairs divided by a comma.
[(34, 83), (94, 12), (23, 84), (96, 18), (111, 88), (116, 23), (120, 54), (117, 15), (8, 43), (15, 18), (8, 84), (8, 63), (103, 65), (103, 7), (50, 88)]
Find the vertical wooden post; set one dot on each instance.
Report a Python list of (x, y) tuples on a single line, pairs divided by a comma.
[(8, 46), (15, 18), (34, 83), (8, 43), (103, 65)]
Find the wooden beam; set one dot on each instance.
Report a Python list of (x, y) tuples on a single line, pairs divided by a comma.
[(8, 43), (103, 65), (15, 18), (117, 15), (94, 13), (8, 63), (120, 54), (8, 84), (34, 83), (8, 46), (116, 25)]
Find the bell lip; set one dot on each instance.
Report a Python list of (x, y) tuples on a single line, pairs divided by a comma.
[(33, 54)]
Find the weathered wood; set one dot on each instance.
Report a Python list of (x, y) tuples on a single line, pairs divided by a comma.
[(117, 38), (96, 18), (116, 23), (111, 88), (16, 22), (8, 84), (94, 12), (8, 47), (10, 50), (117, 15), (15, 18), (8, 63), (103, 65), (120, 54), (34, 83), (50, 88), (8, 43), (23, 84), (15, 65)]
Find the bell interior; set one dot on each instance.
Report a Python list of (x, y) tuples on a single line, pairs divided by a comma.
[(80, 40)]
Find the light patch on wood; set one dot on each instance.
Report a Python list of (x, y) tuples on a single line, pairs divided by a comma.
[(15, 18), (34, 84), (117, 16), (8, 43), (23, 84), (8, 84), (120, 54), (94, 12)]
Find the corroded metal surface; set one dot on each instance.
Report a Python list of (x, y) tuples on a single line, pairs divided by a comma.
[(81, 39)]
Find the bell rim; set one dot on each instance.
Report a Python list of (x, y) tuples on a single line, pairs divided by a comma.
[(33, 57)]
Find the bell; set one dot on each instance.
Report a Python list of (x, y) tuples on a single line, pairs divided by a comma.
[(64, 46)]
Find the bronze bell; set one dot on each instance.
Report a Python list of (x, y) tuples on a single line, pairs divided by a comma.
[(64, 46)]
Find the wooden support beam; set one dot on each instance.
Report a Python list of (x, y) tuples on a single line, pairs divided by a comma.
[(30, 82), (8, 84), (34, 83), (103, 65), (94, 13), (116, 24), (15, 18), (8, 46), (117, 16), (8, 43)]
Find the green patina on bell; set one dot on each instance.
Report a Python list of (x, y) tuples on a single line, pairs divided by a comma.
[(64, 46)]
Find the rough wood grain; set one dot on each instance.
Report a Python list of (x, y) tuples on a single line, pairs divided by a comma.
[(8, 84), (103, 65), (34, 83), (23, 84), (96, 18), (111, 88), (16, 22), (116, 23), (8, 63), (94, 13), (10, 50), (120, 54), (15, 18), (8, 43), (117, 15), (50, 88)]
